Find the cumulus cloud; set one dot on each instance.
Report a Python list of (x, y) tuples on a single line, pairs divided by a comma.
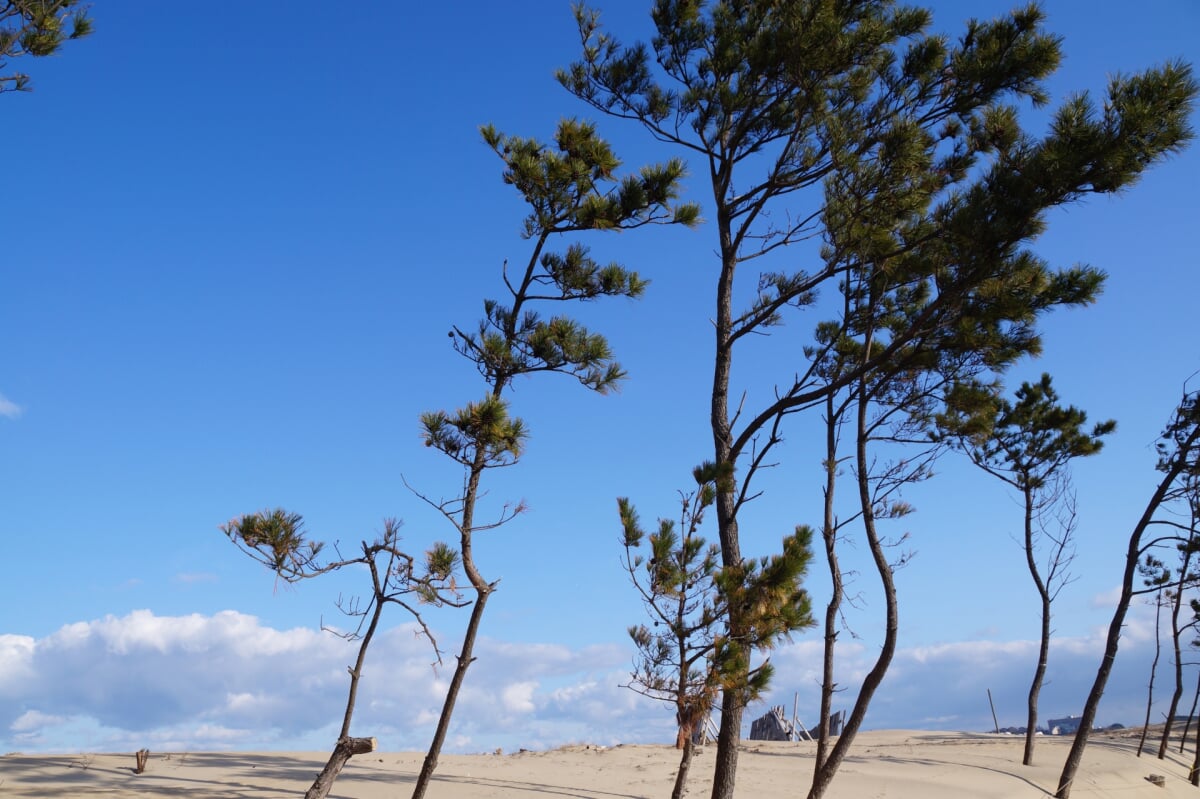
[(8, 408), (227, 681)]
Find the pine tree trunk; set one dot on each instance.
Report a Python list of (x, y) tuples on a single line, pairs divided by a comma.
[(685, 764), (1039, 674), (1153, 672), (833, 609), (1175, 633), (1035, 687), (729, 737), (1191, 715), (465, 657), (342, 752), (1132, 555), (824, 775)]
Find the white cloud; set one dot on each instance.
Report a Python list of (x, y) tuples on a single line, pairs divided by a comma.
[(9, 408), (518, 697), (226, 681), (33, 720)]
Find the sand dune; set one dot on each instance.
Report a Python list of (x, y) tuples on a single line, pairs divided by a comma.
[(896, 764)]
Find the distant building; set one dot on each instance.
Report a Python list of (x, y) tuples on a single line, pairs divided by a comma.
[(1067, 726)]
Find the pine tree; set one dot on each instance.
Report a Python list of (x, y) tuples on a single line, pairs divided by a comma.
[(1028, 444), (37, 28), (1179, 463), (571, 186), (902, 152), (277, 540)]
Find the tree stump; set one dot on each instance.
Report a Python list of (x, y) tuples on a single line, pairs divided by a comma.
[(142, 755)]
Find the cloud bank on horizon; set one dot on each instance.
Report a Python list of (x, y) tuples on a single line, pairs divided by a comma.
[(228, 682)]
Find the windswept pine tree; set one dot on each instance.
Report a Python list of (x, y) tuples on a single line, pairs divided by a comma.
[(902, 152), (1179, 463), (1028, 445), (571, 187), (277, 539), (37, 28)]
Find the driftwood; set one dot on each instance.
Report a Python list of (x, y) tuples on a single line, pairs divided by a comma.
[(141, 756), (345, 749)]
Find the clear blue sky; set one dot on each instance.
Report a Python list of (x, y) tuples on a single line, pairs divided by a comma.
[(235, 244)]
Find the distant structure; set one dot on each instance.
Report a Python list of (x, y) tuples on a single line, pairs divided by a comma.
[(775, 726), (1067, 726)]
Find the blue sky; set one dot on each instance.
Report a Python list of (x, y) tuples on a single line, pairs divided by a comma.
[(234, 249)]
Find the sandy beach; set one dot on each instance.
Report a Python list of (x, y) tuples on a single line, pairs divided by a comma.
[(897, 764)]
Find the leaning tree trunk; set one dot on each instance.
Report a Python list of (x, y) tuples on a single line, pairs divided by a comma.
[(1112, 643), (685, 764), (343, 751), (466, 656), (346, 747), (824, 775), (1153, 671), (1191, 715), (1173, 708)]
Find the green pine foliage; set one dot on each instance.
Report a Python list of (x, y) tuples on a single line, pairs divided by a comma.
[(571, 186), (902, 152), (37, 28)]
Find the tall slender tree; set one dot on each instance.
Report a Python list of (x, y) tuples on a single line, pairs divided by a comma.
[(849, 123), (571, 186), (1028, 444), (37, 28), (1179, 463)]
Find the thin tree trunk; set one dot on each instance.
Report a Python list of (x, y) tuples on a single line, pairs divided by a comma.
[(342, 752), (1191, 715), (466, 655), (346, 747), (829, 534), (1173, 708), (1194, 774), (1039, 674), (1153, 671), (685, 763), (1113, 641), (824, 775)]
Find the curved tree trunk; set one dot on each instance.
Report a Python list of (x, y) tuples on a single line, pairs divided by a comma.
[(1039, 674), (1112, 643), (342, 752), (824, 775), (685, 764), (1176, 606), (346, 747), (1153, 672), (466, 655)]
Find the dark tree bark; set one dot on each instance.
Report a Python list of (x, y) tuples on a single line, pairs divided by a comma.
[(342, 752), (1153, 671), (1183, 458)]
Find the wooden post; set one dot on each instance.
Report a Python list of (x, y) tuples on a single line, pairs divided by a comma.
[(142, 755), (993, 706)]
